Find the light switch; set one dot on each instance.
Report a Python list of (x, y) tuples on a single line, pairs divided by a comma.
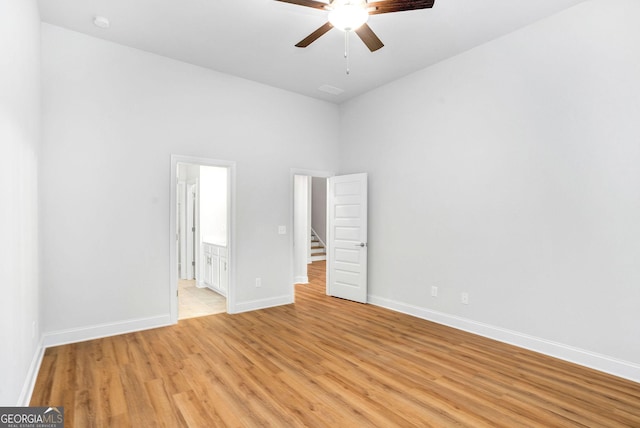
[(282, 230)]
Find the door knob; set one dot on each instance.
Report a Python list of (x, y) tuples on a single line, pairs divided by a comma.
[(362, 244)]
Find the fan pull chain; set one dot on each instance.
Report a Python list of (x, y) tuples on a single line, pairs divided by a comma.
[(346, 49)]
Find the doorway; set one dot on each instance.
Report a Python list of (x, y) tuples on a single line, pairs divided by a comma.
[(346, 233), (309, 246), (202, 236)]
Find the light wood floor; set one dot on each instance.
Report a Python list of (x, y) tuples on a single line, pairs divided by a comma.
[(198, 302), (323, 362)]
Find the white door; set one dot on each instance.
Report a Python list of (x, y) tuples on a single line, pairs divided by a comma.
[(191, 231), (182, 230), (347, 237)]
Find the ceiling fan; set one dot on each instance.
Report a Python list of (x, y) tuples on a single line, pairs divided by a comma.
[(352, 15)]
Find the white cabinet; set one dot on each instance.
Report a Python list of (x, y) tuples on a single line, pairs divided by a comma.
[(224, 275), (215, 268), (207, 273)]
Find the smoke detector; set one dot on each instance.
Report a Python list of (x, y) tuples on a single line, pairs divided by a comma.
[(101, 21)]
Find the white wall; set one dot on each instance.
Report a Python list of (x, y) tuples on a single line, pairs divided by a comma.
[(512, 172), (319, 207), (111, 112), (19, 151), (213, 204)]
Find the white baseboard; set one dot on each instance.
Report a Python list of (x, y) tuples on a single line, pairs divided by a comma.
[(73, 335), (253, 305), (32, 375), (603, 363), (301, 280)]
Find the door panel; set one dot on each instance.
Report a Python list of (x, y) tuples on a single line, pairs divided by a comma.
[(347, 237), (182, 229), (191, 231)]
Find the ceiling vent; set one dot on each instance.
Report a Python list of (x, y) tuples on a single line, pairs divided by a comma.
[(331, 89)]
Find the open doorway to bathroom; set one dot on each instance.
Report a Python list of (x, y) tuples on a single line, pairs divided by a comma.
[(202, 239)]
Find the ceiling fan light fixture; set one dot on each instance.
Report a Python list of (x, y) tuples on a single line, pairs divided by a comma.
[(348, 15)]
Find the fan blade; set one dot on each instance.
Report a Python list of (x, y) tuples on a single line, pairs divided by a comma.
[(369, 38), (307, 3), (314, 36), (389, 6)]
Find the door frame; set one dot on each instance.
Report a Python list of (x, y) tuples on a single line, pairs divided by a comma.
[(293, 173), (231, 229)]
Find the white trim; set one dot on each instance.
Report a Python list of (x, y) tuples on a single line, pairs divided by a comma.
[(32, 376), (603, 363), (254, 305), (74, 335), (231, 232), (301, 279), (312, 173)]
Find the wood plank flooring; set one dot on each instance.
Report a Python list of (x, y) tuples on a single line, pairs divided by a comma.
[(323, 362)]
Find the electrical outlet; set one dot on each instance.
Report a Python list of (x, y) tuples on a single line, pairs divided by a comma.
[(434, 291), (282, 230), (258, 282), (464, 298)]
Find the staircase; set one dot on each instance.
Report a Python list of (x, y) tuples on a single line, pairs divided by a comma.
[(318, 250)]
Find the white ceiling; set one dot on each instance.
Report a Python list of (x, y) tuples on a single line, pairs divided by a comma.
[(255, 39)]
